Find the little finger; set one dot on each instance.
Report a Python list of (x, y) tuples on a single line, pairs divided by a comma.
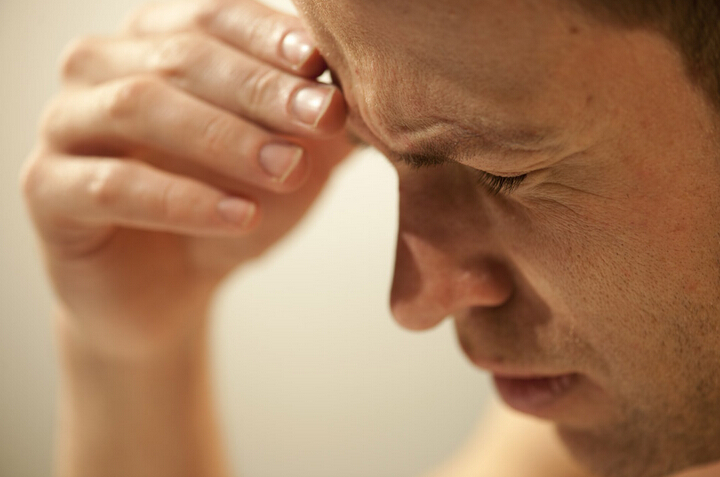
[(104, 192)]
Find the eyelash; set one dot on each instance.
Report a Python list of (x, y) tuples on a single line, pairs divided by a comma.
[(496, 185)]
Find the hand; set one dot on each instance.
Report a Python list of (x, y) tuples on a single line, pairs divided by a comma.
[(182, 147)]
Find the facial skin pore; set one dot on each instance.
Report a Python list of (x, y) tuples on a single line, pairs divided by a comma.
[(605, 261)]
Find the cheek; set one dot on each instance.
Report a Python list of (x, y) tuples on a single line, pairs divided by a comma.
[(636, 279)]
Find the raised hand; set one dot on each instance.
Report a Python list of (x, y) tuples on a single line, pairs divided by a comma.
[(178, 149)]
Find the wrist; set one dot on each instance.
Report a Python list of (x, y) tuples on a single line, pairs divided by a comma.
[(132, 333), (89, 373), (149, 414)]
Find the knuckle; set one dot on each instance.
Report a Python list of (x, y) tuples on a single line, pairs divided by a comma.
[(76, 57), (128, 96), (266, 26), (167, 208), (261, 85), (263, 29), (105, 185), (177, 54), (217, 132), (207, 12)]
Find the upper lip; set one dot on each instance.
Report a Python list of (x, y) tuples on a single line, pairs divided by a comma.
[(510, 371)]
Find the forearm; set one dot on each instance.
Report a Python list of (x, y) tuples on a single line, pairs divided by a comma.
[(152, 417)]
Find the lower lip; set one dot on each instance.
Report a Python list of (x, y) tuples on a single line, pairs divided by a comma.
[(535, 395)]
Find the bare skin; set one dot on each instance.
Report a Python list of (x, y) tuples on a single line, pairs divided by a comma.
[(148, 185), (603, 262)]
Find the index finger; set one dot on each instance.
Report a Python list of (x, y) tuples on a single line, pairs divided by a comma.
[(274, 37)]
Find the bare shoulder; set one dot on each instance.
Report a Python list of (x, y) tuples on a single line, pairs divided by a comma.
[(509, 444)]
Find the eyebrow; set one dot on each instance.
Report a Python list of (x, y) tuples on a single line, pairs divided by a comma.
[(458, 144), (434, 152)]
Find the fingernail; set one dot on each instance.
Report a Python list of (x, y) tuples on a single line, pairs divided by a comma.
[(309, 104), (279, 160), (236, 211), (297, 47)]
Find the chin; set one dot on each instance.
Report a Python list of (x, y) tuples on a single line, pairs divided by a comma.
[(628, 453)]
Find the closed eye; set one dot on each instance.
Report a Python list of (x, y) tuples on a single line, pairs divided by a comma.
[(493, 184), (496, 185)]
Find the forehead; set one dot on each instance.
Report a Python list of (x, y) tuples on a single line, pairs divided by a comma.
[(412, 68)]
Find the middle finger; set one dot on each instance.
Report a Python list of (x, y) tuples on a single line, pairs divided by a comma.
[(216, 73)]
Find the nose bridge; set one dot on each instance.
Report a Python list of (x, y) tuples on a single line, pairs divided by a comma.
[(447, 258)]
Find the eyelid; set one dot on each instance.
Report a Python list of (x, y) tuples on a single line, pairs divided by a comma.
[(497, 185), (493, 184)]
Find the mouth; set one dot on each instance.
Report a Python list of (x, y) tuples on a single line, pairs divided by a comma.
[(543, 393), (536, 395)]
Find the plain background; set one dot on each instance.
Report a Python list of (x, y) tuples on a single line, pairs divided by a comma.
[(313, 377)]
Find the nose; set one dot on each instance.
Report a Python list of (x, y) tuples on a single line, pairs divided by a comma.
[(446, 262), (429, 285)]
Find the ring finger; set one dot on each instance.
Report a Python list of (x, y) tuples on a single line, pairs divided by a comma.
[(143, 112)]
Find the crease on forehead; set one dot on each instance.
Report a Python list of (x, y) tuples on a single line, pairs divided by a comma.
[(407, 76)]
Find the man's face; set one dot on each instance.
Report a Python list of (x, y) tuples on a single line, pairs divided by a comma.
[(603, 266)]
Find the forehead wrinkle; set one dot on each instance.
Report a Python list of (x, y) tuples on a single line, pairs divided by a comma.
[(435, 142), (463, 147), (460, 143), (405, 113), (401, 94)]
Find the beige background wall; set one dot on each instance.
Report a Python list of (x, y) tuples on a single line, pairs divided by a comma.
[(314, 377)]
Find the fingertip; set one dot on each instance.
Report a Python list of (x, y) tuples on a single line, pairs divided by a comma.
[(286, 164), (299, 175), (253, 219), (237, 213), (313, 66), (333, 118), (299, 51)]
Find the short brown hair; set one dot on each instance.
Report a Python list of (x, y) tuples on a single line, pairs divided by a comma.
[(692, 25)]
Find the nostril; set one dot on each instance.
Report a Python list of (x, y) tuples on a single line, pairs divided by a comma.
[(430, 284), (419, 312), (489, 283)]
